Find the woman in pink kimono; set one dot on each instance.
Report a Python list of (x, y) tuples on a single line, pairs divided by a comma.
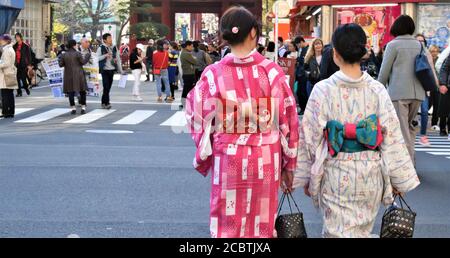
[(242, 117), (352, 154)]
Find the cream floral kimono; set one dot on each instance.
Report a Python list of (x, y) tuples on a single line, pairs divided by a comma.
[(350, 187)]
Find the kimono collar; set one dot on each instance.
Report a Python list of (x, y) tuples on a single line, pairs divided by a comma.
[(253, 58), (342, 80)]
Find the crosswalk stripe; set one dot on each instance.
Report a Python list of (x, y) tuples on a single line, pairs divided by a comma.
[(136, 117), (440, 153), (44, 116), (90, 117), (433, 146), (19, 111), (178, 120), (432, 149)]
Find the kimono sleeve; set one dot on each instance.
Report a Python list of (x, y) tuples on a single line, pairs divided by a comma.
[(394, 153), (288, 122), (200, 113), (311, 135)]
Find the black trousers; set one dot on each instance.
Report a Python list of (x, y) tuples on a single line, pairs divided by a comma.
[(82, 99), (302, 93), (198, 75), (8, 105), (434, 101), (107, 81), (22, 79), (189, 83)]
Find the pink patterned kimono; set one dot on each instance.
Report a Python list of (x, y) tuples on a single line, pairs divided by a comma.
[(246, 164)]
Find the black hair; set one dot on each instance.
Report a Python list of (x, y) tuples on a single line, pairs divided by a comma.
[(236, 24), (183, 45), (280, 39), (106, 35), (188, 43), (271, 47), (160, 45), (350, 41), (403, 25), (174, 45), (261, 48), (18, 34), (135, 51), (298, 40), (71, 44), (196, 44)]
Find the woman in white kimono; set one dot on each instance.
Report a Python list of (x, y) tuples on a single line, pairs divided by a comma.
[(352, 155)]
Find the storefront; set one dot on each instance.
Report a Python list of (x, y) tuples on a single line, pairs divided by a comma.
[(320, 18)]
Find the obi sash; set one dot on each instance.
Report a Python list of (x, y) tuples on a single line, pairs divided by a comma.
[(351, 138)]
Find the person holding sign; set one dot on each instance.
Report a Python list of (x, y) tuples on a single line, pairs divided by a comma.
[(74, 79)]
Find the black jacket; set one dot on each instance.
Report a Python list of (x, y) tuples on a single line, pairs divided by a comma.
[(312, 69), (300, 65), (149, 55), (134, 58), (25, 55), (444, 79), (328, 67)]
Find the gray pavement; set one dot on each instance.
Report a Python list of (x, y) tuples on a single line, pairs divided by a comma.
[(57, 179)]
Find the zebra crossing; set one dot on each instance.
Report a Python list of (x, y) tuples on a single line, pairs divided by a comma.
[(440, 146), (133, 117)]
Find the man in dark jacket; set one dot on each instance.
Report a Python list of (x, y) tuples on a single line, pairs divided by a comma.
[(149, 58), (23, 63), (444, 104), (328, 67), (300, 73)]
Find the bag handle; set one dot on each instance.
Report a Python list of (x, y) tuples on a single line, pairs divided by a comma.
[(289, 196), (401, 201)]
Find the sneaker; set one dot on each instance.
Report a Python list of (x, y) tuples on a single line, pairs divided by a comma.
[(73, 112), (103, 106), (108, 106), (443, 133), (159, 99), (435, 128), (424, 141), (415, 123), (83, 111), (137, 98), (169, 99)]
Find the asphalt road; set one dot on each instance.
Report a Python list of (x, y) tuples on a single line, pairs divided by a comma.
[(58, 178)]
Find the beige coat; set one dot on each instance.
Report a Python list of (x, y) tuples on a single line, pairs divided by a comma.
[(7, 66)]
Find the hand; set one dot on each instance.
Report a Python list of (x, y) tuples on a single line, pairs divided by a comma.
[(306, 190), (109, 55), (287, 181), (443, 89), (396, 192)]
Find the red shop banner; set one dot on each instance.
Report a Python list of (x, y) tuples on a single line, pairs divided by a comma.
[(288, 66)]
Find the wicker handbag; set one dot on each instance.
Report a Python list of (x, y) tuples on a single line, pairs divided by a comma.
[(290, 225), (397, 221)]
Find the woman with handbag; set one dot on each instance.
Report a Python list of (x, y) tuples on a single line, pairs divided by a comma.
[(313, 59), (160, 70), (248, 158), (8, 77), (352, 154)]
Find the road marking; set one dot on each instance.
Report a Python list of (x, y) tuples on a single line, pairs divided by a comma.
[(432, 146), (45, 116), (432, 149), (90, 117), (136, 117), (110, 131), (439, 153), (19, 111), (176, 120)]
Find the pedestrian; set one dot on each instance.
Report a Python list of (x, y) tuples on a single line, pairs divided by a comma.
[(270, 51), (23, 64), (348, 171), (444, 105), (109, 64), (292, 51), (300, 73), (282, 48), (8, 76), (328, 66), (74, 77), (398, 75), (173, 68), (85, 49), (160, 65), (188, 63), (213, 53), (425, 106), (149, 59), (313, 60), (369, 64), (202, 62), (136, 60), (247, 166), (434, 98)]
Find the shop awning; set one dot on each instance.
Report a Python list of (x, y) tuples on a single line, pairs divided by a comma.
[(9, 10), (351, 2)]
